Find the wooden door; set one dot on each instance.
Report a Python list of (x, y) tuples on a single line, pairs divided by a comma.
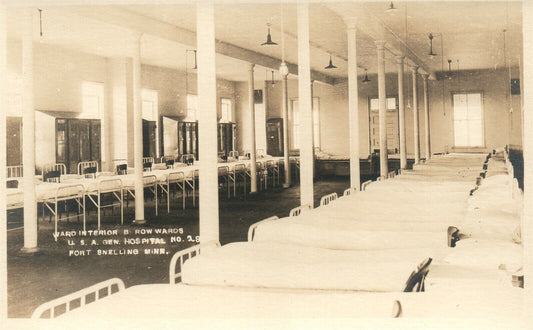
[(96, 141), (14, 141), (85, 139), (73, 145), (62, 141)]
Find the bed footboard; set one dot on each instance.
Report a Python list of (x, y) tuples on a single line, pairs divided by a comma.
[(298, 210), (251, 230), (326, 199), (365, 184), (79, 298), (183, 255)]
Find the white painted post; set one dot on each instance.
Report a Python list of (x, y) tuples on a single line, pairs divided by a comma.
[(251, 107), (305, 107), (401, 110), (415, 117), (138, 133), (353, 103), (285, 100), (382, 94), (207, 121), (426, 117), (3, 156), (28, 137)]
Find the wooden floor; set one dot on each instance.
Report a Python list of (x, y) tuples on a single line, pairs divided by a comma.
[(52, 273)]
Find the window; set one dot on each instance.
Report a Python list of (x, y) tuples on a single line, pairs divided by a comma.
[(93, 108), (192, 107), (225, 109), (92, 100), (391, 104), (150, 111), (296, 123), (468, 120)]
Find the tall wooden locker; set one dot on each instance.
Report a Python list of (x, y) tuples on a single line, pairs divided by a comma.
[(188, 138), (14, 141), (149, 137), (274, 131), (227, 134), (77, 140)]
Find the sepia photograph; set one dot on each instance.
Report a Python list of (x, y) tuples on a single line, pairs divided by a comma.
[(275, 164)]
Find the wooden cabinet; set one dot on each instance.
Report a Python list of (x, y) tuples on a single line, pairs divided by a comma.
[(77, 140), (227, 134), (149, 138), (188, 138), (274, 132)]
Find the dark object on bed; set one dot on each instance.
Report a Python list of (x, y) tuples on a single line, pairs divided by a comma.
[(415, 282), (147, 166), (122, 169), (12, 184), (453, 236), (169, 162), (52, 176)]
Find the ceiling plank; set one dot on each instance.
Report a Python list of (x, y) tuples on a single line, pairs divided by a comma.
[(135, 22)]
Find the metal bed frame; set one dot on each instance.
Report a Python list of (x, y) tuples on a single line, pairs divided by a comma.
[(107, 186), (253, 227), (177, 178), (298, 210), (63, 193), (14, 171), (79, 298), (83, 166), (224, 175), (181, 256), (327, 199)]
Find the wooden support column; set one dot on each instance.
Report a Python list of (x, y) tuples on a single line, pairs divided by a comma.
[(426, 117), (207, 122), (305, 107), (527, 219), (401, 110), (138, 132), (382, 95), (285, 106), (415, 117), (3, 156), (28, 137), (251, 107), (353, 106)]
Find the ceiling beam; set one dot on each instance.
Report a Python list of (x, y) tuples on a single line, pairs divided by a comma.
[(136, 22)]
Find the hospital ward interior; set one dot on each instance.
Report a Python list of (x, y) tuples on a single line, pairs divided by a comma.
[(267, 160)]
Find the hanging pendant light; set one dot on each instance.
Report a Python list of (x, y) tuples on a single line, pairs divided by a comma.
[(269, 41), (40, 22), (391, 8), (272, 80), (431, 46), (450, 69), (330, 65), (366, 80), (195, 63)]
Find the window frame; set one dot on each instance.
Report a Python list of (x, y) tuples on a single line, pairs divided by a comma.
[(482, 103)]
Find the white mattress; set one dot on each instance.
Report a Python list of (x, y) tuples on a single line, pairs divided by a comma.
[(420, 186), (347, 234), (168, 305), (275, 265)]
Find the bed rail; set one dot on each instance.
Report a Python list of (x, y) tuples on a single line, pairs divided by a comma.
[(14, 171), (184, 255), (391, 175), (298, 210), (253, 227), (365, 184), (326, 199), (349, 191), (88, 167), (79, 298)]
